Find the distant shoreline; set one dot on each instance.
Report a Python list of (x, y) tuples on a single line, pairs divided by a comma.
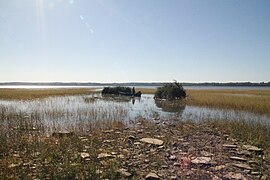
[(231, 84)]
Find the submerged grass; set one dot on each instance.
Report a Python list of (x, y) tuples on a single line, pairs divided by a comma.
[(28, 94)]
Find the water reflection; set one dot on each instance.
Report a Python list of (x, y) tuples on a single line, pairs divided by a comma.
[(115, 98), (79, 111), (171, 106)]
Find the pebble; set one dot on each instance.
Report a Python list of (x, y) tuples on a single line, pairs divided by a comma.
[(152, 141), (207, 154), (252, 148), (85, 155), (201, 160), (176, 164), (13, 165), (229, 146), (232, 175), (172, 157), (237, 158), (105, 155), (218, 168), (124, 172), (243, 166), (152, 176)]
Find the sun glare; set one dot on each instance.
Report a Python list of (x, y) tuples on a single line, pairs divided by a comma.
[(41, 24)]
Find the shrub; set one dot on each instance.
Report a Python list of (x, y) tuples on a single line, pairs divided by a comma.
[(116, 90), (170, 91)]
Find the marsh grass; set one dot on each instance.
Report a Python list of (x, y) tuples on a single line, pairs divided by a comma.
[(255, 133), (32, 154), (28, 152), (28, 94), (256, 101), (146, 90)]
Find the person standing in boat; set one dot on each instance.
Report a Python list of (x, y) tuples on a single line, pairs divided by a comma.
[(133, 91)]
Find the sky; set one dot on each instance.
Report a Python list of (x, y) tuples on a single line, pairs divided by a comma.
[(134, 40)]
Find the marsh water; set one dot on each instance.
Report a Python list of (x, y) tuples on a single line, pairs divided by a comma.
[(79, 112)]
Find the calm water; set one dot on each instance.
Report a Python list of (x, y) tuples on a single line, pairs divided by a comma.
[(72, 112)]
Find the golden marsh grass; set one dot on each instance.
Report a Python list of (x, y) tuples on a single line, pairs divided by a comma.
[(146, 90), (256, 101), (28, 94)]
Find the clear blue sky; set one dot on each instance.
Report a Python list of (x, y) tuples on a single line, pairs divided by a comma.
[(135, 40)]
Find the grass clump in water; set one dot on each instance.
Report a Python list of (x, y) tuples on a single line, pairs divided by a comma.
[(170, 91)]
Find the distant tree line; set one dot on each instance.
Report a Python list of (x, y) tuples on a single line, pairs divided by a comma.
[(134, 84)]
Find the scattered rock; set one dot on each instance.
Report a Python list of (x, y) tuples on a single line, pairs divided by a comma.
[(99, 171), (232, 175), (131, 137), (105, 155), (206, 154), (255, 173), (152, 141), (214, 177), (121, 156), (108, 131), (124, 172), (243, 166), (252, 162), (176, 164), (252, 148), (164, 166), (245, 152), (229, 146), (16, 155), (237, 158), (152, 176), (172, 157), (85, 155), (13, 165), (114, 153), (108, 141), (146, 160), (218, 168), (201, 160)]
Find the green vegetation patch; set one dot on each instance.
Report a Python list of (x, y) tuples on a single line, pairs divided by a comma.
[(171, 91)]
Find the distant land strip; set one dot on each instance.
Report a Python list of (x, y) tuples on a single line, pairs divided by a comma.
[(264, 84)]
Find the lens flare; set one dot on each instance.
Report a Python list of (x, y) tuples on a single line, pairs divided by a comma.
[(41, 24)]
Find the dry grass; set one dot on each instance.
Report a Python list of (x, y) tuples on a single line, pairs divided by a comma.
[(146, 90), (28, 94), (256, 101)]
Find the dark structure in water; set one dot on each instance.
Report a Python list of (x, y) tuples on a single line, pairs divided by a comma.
[(125, 91)]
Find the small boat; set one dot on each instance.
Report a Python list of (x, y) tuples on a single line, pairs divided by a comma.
[(138, 94)]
